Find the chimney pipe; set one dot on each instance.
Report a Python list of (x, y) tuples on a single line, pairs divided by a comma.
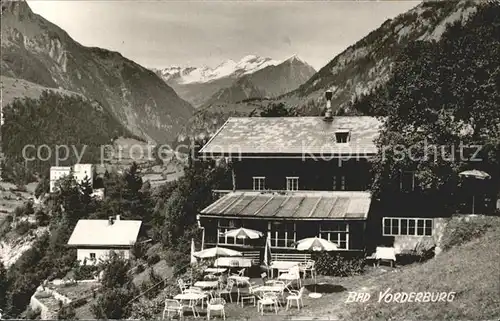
[(328, 113), (117, 217), (110, 220)]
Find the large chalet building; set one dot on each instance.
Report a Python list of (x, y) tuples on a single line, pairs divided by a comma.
[(293, 178)]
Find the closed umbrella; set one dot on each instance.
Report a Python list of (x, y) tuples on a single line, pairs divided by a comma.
[(193, 258), (267, 253), (244, 233), (476, 174), (315, 244)]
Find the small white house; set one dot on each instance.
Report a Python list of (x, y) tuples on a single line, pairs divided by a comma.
[(95, 239)]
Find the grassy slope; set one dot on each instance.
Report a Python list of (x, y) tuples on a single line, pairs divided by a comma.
[(471, 270)]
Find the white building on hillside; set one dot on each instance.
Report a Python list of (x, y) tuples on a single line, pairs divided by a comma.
[(80, 172), (95, 239), (83, 171), (56, 173)]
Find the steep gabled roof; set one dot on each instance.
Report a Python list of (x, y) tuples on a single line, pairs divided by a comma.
[(101, 233), (252, 136)]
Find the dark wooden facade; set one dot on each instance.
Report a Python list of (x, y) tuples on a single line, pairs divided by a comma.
[(313, 174)]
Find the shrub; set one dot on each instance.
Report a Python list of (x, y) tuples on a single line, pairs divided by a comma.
[(147, 310), (153, 259), (335, 265), (84, 272), (139, 269), (66, 312), (112, 304), (138, 250), (23, 227), (42, 218), (462, 230)]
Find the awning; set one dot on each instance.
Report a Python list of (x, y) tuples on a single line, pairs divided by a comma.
[(310, 205)]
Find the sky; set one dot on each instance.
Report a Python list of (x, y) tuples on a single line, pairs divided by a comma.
[(159, 34)]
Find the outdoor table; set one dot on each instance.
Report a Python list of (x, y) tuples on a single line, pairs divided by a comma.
[(281, 266), (190, 296), (215, 270), (207, 284), (269, 288), (239, 279), (226, 261)]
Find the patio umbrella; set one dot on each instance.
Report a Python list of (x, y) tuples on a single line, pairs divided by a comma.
[(476, 174), (267, 253), (216, 251), (244, 233), (315, 244)]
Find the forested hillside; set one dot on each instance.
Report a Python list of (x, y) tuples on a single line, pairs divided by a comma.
[(443, 93), (54, 119)]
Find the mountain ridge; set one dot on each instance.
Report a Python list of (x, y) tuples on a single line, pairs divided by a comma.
[(38, 51), (202, 86)]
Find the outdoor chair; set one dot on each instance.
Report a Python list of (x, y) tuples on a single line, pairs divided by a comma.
[(311, 268), (240, 272), (209, 277), (216, 305), (191, 306), (263, 276), (295, 296), (182, 285), (267, 299), (293, 274), (247, 295), (174, 307), (227, 290)]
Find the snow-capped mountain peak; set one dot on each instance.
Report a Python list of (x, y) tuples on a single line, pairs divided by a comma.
[(229, 68), (295, 57)]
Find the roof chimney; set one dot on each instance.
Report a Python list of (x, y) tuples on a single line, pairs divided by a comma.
[(111, 220), (328, 113), (117, 217)]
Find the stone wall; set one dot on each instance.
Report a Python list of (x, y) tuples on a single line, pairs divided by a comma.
[(45, 312), (405, 243)]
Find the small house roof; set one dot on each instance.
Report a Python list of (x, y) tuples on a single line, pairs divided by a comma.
[(301, 205), (102, 233), (250, 136)]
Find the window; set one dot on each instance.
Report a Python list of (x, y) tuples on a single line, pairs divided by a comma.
[(292, 183), (339, 183), (395, 226), (336, 232), (342, 136), (92, 256), (282, 234), (259, 183), (407, 183), (225, 225)]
